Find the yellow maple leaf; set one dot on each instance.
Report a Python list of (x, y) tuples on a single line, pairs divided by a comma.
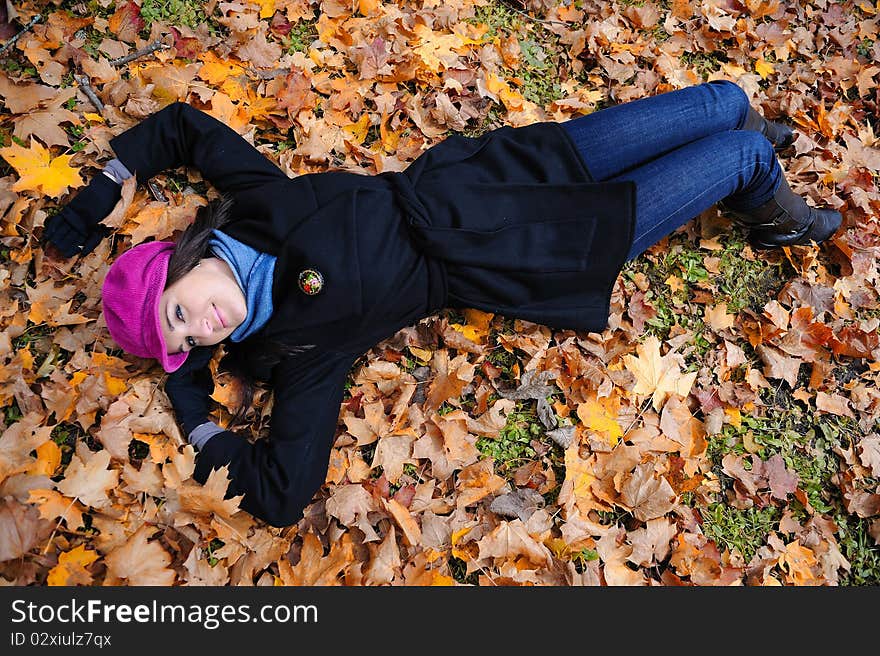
[(215, 70), (468, 331), (39, 171), (439, 50), (71, 567), (764, 68), (267, 7), (48, 459), (657, 375), (675, 283), (359, 130), (734, 416), (115, 386), (422, 355), (439, 579), (599, 415), (578, 472)]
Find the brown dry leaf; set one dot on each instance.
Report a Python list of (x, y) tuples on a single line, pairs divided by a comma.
[(511, 539), (210, 497), (384, 563), (651, 544), (798, 562), (200, 572), (53, 505), (778, 365), (90, 482), (450, 377), (658, 375), (139, 561), (313, 567), (17, 442), (392, 453), (21, 529), (45, 122), (478, 481), (869, 453), (645, 495)]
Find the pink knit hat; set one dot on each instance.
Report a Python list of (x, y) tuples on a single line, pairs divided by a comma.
[(130, 296)]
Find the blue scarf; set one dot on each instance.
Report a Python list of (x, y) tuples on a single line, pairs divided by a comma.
[(253, 271)]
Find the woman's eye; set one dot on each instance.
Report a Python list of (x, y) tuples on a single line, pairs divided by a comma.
[(179, 313)]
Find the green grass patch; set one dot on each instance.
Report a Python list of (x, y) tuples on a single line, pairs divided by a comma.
[(860, 549), (513, 447), (539, 83), (500, 18), (744, 531), (515, 444), (704, 63), (300, 36), (744, 283), (806, 445), (173, 12)]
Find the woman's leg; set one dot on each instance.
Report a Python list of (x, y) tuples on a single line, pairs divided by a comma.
[(739, 167), (616, 139)]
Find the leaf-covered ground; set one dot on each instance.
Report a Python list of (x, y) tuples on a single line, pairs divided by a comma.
[(722, 431)]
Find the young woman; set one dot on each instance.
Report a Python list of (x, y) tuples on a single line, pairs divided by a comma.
[(302, 276)]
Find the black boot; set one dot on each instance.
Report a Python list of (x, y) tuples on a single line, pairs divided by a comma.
[(781, 136), (786, 219)]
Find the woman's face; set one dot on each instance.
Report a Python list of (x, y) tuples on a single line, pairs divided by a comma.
[(204, 307)]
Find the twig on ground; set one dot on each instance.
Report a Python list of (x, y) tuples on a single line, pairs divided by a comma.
[(647, 402), (143, 52), (83, 82), (36, 19)]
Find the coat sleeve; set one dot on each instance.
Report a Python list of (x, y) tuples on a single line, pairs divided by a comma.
[(279, 475), (181, 135), (190, 387)]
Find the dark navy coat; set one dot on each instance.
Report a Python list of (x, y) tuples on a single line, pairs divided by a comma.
[(510, 222)]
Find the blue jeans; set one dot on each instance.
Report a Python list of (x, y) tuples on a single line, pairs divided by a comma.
[(684, 150)]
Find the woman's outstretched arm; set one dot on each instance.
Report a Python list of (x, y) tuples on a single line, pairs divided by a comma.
[(181, 135), (279, 475), (174, 136)]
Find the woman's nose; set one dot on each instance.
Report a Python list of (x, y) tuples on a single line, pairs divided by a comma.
[(204, 328)]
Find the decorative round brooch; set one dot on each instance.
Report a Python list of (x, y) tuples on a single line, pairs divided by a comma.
[(311, 281)]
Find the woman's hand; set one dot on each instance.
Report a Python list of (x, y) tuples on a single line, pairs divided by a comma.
[(77, 228)]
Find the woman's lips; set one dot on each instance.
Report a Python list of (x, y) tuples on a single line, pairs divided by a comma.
[(219, 316)]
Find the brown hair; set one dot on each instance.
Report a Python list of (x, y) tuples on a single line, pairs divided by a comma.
[(246, 360)]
